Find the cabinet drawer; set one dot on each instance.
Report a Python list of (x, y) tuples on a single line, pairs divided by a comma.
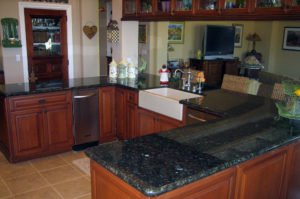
[(195, 116), (36, 101), (132, 97)]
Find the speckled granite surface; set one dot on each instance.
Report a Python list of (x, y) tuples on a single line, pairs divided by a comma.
[(156, 164), (145, 81)]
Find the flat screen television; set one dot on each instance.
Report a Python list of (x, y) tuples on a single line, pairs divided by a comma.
[(218, 42)]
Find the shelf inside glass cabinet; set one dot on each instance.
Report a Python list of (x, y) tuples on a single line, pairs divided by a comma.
[(46, 36)]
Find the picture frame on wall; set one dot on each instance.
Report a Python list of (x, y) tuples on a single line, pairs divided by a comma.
[(238, 36), (291, 38), (142, 33), (176, 32)]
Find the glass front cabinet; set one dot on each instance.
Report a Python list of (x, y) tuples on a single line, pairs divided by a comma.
[(211, 9), (46, 45)]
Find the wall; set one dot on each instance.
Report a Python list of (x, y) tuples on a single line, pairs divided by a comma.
[(90, 47), (192, 41), (275, 59), (86, 53), (281, 61), (13, 69), (127, 47)]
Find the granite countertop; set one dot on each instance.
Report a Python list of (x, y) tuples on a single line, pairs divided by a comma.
[(159, 163), (144, 81)]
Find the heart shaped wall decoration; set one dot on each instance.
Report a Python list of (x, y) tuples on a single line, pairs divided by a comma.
[(90, 31)]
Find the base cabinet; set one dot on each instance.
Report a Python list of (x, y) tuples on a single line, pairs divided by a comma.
[(107, 114), (28, 133), (126, 107), (38, 125), (293, 179), (274, 175), (58, 124), (262, 177), (151, 122), (105, 185)]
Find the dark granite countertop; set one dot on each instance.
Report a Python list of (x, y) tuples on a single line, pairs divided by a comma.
[(156, 164), (144, 81)]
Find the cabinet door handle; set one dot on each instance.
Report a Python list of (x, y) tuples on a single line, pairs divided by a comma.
[(196, 118), (83, 96)]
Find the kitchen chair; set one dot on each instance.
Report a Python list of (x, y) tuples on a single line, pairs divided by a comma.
[(235, 83), (278, 92)]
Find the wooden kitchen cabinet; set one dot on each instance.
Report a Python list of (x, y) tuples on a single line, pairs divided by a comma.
[(262, 177), (158, 10), (58, 127), (214, 70), (28, 134), (39, 125), (106, 185), (126, 108), (150, 122), (293, 173), (46, 37), (107, 114)]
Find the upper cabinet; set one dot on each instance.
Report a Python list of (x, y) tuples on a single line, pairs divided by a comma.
[(174, 10)]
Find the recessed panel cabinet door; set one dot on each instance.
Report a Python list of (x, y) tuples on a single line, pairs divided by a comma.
[(28, 133), (293, 191), (262, 177), (121, 129), (58, 127)]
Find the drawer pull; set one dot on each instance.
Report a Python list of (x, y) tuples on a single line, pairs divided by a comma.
[(196, 118), (84, 96)]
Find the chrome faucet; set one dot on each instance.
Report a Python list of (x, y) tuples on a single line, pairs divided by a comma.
[(185, 84)]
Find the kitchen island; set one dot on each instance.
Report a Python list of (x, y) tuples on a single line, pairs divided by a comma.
[(248, 153)]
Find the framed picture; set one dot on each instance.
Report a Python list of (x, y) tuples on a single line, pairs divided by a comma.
[(176, 32), (238, 37), (291, 38), (142, 33)]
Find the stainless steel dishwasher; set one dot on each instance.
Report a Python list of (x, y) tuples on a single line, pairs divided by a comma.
[(85, 116)]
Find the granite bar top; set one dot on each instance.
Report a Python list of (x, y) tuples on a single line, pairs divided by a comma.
[(156, 164)]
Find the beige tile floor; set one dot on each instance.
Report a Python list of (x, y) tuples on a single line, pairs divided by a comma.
[(53, 177)]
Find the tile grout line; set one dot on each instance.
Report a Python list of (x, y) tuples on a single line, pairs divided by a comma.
[(22, 175), (86, 194), (11, 193), (53, 185), (39, 172)]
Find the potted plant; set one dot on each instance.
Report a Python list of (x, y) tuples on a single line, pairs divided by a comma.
[(290, 109)]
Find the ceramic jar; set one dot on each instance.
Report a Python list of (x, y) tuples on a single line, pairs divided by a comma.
[(132, 71), (123, 70), (113, 71)]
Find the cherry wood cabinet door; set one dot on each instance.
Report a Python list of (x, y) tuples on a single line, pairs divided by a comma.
[(218, 186), (121, 113), (165, 123), (293, 190), (146, 122), (28, 133), (58, 127), (107, 185), (262, 177), (107, 114), (132, 121)]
